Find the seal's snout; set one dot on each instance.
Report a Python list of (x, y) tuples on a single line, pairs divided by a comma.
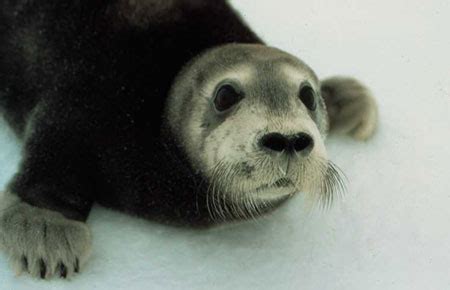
[(277, 142)]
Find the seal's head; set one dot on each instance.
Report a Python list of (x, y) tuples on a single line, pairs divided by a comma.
[(252, 122)]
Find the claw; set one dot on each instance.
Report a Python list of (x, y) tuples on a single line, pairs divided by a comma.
[(43, 268), (24, 263), (62, 270), (77, 266)]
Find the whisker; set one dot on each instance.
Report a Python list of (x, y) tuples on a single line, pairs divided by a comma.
[(229, 195)]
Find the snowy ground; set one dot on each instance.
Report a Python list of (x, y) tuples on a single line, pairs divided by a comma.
[(392, 230)]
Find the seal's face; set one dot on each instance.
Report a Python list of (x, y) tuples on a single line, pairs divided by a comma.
[(252, 121)]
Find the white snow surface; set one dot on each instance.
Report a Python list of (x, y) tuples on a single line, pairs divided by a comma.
[(392, 229)]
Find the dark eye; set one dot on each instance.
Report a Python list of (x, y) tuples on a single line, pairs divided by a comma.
[(226, 97), (308, 97)]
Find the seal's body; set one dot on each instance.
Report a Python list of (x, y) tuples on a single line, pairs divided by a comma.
[(89, 89), (169, 110)]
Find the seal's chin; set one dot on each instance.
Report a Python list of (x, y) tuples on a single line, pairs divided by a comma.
[(280, 190)]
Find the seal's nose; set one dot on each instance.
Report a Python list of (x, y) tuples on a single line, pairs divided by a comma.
[(277, 142)]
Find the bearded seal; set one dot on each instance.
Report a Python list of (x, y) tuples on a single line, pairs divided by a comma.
[(173, 111)]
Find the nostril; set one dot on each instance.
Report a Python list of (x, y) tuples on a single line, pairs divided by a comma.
[(301, 142), (294, 143), (275, 142)]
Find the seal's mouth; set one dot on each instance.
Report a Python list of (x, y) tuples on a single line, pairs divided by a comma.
[(280, 183), (232, 195), (280, 189)]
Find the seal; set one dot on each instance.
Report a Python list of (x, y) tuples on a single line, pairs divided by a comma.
[(174, 111)]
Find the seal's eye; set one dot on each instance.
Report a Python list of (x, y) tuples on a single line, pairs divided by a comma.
[(308, 97), (226, 97)]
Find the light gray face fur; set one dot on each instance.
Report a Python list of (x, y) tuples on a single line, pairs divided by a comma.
[(225, 147)]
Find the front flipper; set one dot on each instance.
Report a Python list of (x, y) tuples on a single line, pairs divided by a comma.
[(41, 242), (351, 108)]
